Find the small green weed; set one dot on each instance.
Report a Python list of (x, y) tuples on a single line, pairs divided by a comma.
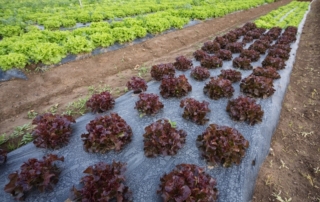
[(173, 124), (3, 138), (142, 71), (26, 138), (77, 108), (101, 88), (53, 109), (32, 114)]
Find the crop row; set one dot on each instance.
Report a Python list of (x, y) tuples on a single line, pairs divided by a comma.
[(218, 144), (68, 16), (288, 15), (49, 47), (56, 17)]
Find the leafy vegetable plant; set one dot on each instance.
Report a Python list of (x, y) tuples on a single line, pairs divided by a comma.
[(242, 63), (199, 55), (161, 138), (231, 37), (265, 43), (232, 75), (254, 34), (274, 32), (278, 53), (247, 39), (137, 84), (48, 53), (78, 44), (106, 133), (249, 26), (257, 86), (182, 63), (222, 145), (211, 62), (52, 130), (222, 41), (239, 31), (100, 102), (188, 182), (218, 88), (3, 156), (266, 38), (277, 63), (285, 47), (200, 73), (251, 54), (103, 182), (267, 71), (194, 110), (245, 109), (123, 34), (260, 30), (286, 39), (235, 47), (13, 60), (175, 87), (102, 39), (162, 70), (34, 173), (292, 29), (258, 47), (224, 54), (148, 104), (211, 47)]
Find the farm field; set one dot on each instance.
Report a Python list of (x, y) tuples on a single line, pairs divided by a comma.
[(95, 25), (66, 85)]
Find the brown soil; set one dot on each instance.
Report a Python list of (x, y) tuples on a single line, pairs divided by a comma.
[(66, 83)]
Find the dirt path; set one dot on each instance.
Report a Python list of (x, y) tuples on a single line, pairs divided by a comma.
[(65, 83), (293, 166)]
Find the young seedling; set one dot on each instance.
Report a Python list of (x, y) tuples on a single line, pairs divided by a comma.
[(11, 146), (308, 177), (21, 130), (143, 70), (101, 88), (283, 165), (53, 109), (3, 138), (118, 91), (173, 124), (305, 134), (77, 107), (32, 114), (271, 163), (26, 138), (279, 198), (269, 180)]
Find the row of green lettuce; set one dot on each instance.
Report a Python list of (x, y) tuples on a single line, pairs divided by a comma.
[(288, 15), (49, 47), (14, 18), (68, 16)]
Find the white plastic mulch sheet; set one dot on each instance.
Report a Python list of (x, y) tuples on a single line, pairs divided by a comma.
[(235, 184)]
